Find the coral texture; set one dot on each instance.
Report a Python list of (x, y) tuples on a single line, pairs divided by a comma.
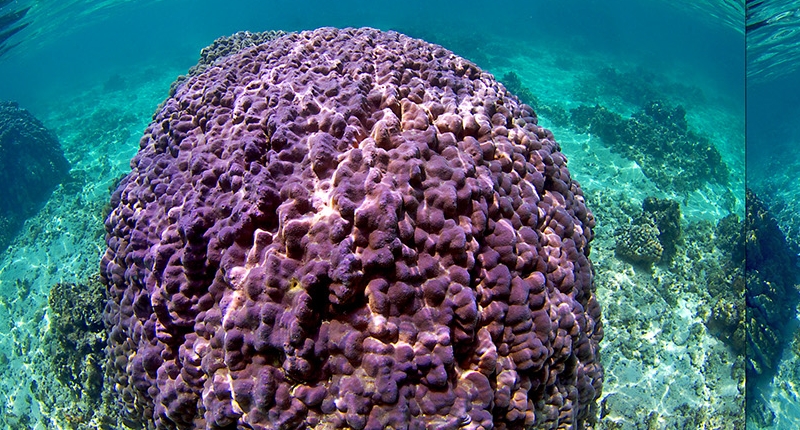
[(771, 271), (652, 236), (227, 45), (350, 229), (667, 217), (79, 336), (32, 164), (727, 319), (224, 46), (638, 243)]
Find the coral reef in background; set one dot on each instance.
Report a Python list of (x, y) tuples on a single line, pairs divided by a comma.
[(61, 244), (653, 236), (772, 275), (32, 164), (637, 86), (350, 228), (655, 138), (514, 85)]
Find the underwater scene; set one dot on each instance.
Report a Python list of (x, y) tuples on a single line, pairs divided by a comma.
[(398, 215), (772, 242)]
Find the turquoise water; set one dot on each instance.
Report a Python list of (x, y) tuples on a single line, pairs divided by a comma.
[(95, 72), (772, 40), (773, 103)]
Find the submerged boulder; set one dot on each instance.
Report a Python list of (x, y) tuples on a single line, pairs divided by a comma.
[(350, 229), (32, 164)]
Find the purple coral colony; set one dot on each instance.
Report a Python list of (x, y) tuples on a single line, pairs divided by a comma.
[(350, 229)]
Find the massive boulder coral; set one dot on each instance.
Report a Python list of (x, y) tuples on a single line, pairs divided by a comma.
[(223, 47), (32, 164), (350, 229)]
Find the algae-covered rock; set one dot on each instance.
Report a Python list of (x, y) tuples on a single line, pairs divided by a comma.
[(76, 313), (638, 243), (666, 215), (652, 237)]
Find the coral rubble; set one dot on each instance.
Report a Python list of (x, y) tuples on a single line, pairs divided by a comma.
[(638, 243)]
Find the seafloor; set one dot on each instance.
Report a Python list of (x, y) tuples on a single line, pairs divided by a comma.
[(664, 368)]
